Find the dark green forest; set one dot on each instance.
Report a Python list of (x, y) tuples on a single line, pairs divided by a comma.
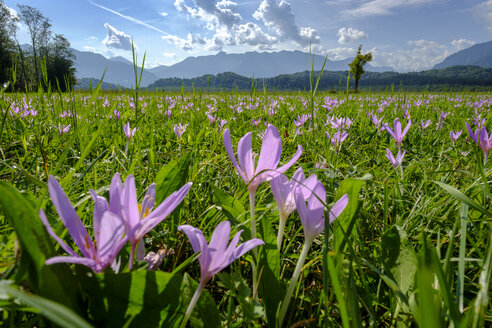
[(456, 78), (46, 63)]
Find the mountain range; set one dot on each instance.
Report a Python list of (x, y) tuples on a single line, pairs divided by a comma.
[(477, 55), (120, 71)]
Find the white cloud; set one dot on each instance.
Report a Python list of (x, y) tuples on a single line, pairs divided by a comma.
[(424, 55), (163, 13), (211, 11), (484, 12), (169, 54), (252, 35), (340, 53), (383, 7), (280, 18), (117, 39), (462, 44), (349, 35), (222, 37), (185, 44)]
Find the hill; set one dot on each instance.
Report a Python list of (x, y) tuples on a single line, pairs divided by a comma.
[(476, 55)]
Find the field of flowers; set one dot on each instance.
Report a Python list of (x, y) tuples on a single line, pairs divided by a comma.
[(245, 210)]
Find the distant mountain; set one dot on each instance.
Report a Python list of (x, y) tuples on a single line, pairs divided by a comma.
[(119, 70), (476, 55), (121, 60), (451, 78), (257, 64), (86, 83)]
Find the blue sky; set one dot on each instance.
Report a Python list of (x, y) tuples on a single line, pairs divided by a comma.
[(408, 35)]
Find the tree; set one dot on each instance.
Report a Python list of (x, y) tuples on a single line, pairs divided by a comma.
[(39, 29), (60, 64), (357, 66), (7, 44)]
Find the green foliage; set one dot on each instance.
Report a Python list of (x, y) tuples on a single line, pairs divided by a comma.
[(458, 78), (357, 65)]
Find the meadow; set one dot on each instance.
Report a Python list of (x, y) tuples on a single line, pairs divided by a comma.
[(409, 245)]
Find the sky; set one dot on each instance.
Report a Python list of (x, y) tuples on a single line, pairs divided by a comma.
[(408, 35)]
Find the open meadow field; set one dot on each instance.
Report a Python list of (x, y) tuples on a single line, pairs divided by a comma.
[(126, 209)]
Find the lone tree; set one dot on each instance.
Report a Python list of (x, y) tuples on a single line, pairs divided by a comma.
[(39, 29), (357, 66)]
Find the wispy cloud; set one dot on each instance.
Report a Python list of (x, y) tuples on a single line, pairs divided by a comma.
[(383, 7), (129, 18)]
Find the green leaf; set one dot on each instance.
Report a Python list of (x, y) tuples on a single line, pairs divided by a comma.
[(342, 224), (55, 282), (464, 199), (171, 177), (205, 313), (271, 289), (231, 207), (135, 299), (399, 259), (58, 313)]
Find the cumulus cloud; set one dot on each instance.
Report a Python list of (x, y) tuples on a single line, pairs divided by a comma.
[(383, 7), (280, 18), (163, 13), (117, 39), (252, 35), (340, 53), (349, 35), (221, 13), (462, 44), (422, 55)]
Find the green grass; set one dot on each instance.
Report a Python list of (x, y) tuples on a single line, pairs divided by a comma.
[(410, 254)]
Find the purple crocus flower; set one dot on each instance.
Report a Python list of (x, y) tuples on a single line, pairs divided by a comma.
[(425, 125), (337, 138), (473, 135), (129, 132), (109, 232), (139, 219), (399, 158), (485, 142), (312, 218), (455, 135), (217, 254), (214, 256), (313, 223), (396, 133), (62, 129), (283, 192), (268, 161), (179, 129)]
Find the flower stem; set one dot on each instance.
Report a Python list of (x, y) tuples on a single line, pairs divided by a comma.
[(281, 228), (132, 253), (293, 282), (253, 235), (192, 304)]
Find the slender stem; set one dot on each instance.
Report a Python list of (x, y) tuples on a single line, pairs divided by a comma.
[(253, 235), (192, 304), (132, 253), (281, 228), (293, 281)]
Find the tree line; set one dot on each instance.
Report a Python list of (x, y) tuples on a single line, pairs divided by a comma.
[(46, 63), (456, 78)]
